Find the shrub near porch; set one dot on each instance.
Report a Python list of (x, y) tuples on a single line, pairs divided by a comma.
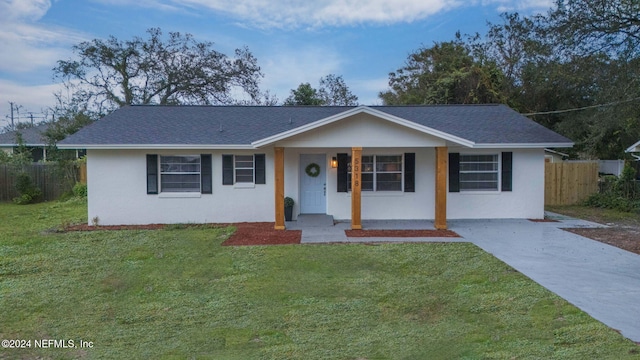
[(178, 293)]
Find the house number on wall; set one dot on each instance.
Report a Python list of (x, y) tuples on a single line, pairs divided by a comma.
[(356, 172)]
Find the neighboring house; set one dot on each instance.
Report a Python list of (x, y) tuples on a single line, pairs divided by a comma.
[(33, 139), (219, 164), (635, 148), (553, 156)]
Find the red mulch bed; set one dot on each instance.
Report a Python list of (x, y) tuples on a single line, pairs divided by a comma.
[(401, 233), (262, 234), (543, 220)]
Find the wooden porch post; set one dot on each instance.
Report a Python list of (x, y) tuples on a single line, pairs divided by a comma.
[(441, 187), (356, 188), (279, 184)]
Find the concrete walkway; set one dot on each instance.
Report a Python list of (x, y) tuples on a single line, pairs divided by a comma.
[(600, 279)]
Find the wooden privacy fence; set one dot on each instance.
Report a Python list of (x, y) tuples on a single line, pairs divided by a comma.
[(568, 183), (51, 179)]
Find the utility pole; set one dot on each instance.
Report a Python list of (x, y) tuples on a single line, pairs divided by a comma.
[(31, 116), (12, 126)]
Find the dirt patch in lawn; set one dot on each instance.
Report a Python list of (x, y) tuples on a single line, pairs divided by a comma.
[(262, 234), (401, 233), (87, 227), (623, 229), (623, 238), (246, 233)]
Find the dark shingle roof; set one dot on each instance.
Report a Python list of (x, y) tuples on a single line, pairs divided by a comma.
[(31, 136), (242, 125)]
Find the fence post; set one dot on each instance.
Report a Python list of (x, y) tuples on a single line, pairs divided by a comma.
[(83, 173)]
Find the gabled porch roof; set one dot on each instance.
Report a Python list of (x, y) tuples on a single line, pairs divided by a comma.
[(356, 111)]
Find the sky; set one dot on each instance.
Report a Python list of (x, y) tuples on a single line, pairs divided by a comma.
[(294, 41)]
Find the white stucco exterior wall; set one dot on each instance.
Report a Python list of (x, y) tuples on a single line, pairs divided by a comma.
[(526, 201), (375, 205), (117, 192), (117, 181)]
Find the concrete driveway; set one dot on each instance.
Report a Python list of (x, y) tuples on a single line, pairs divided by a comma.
[(602, 280)]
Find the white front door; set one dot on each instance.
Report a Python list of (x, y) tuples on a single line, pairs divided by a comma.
[(313, 191)]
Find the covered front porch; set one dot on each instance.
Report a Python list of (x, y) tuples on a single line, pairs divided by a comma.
[(422, 194), (374, 166)]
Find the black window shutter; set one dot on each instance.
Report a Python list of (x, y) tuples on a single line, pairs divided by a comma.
[(227, 169), (206, 178), (260, 170), (152, 174), (507, 171), (409, 172), (343, 160), (454, 172)]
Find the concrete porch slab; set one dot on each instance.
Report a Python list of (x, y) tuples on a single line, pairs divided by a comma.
[(306, 221)]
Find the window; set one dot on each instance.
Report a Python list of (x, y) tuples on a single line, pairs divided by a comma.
[(243, 168), (478, 172), (379, 173), (180, 173)]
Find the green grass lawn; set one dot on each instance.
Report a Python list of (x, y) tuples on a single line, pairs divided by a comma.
[(174, 294)]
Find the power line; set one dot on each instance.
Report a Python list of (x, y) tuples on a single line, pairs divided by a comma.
[(582, 108)]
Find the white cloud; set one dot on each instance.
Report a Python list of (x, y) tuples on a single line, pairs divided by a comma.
[(520, 5), (287, 68), (163, 5), (304, 13), (24, 9), (27, 45), (367, 90), (32, 98)]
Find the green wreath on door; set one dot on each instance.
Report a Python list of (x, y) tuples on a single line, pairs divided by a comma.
[(312, 170)]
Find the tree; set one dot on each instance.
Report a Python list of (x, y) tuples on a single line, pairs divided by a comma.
[(446, 73), (565, 83), (58, 130), (18, 163), (333, 91), (597, 25), (601, 40), (177, 70), (304, 95)]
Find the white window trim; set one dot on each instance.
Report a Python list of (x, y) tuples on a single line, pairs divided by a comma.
[(497, 190), (174, 195), (245, 184), (178, 194)]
